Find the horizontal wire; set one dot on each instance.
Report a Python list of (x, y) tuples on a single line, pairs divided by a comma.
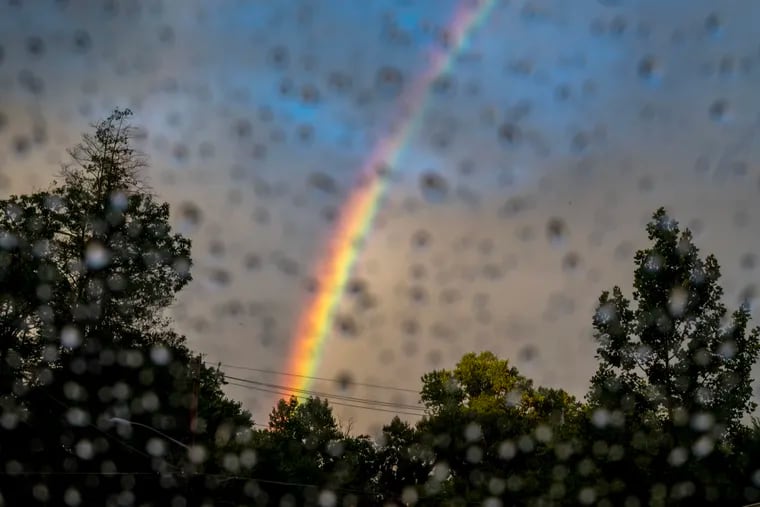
[(325, 379), (342, 397), (262, 389)]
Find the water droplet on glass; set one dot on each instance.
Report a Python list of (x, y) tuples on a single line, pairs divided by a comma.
[(433, 187), (421, 239), (719, 110), (96, 256), (219, 278), (70, 337), (345, 380), (556, 231), (190, 217)]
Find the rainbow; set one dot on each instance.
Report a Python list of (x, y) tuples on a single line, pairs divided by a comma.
[(357, 215)]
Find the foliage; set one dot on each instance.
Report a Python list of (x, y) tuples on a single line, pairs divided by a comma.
[(674, 367), (93, 380)]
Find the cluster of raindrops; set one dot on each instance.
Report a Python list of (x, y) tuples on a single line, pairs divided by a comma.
[(500, 196)]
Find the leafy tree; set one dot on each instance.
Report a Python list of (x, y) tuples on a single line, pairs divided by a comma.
[(86, 270), (491, 430), (96, 250), (303, 452), (673, 381), (404, 463)]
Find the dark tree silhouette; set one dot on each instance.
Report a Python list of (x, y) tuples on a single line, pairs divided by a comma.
[(674, 376)]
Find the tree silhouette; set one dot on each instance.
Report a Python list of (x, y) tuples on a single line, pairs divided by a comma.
[(87, 269), (674, 365)]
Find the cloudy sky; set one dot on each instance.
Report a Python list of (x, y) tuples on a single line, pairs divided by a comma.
[(557, 131)]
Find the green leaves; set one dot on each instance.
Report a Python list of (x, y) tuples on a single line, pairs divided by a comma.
[(667, 358)]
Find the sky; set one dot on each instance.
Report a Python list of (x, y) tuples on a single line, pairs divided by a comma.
[(538, 156)]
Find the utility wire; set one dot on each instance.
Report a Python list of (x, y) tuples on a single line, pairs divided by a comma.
[(342, 397), (325, 379), (262, 389)]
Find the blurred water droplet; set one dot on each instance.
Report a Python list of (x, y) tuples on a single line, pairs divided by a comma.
[(556, 231), (347, 326), (421, 239), (509, 134), (713, 24), (345, 380), (190, 217), (96, 256), (719, 110), (219, 278), (70, 337), (679, 298), (323, 182), (389, 81), (160, 355), (650, 69), (216, 249), (252, 262), (570, 262), (433, 187)]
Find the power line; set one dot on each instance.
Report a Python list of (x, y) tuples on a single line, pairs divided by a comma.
[(351, 399), (280, 393), (325, 379), (216, 476)]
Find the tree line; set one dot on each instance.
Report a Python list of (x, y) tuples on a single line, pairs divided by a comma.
[(103, 403)]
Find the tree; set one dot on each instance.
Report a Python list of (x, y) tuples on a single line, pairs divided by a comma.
[(304, 452), (86, 270), (674, 365), (96, 249), (487, 425), (404, 463)]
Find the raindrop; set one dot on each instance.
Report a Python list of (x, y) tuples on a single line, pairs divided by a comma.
[(252, 262), (309, 94), (421, 239), (713, 24), (418, 294), (679, 298), (509, 134), (219, 278), (160, 355), (528, 353), (21, 145), (82, 41), (70, 337), (286, 265), (556, 231), (719, 110), (649, 69), (190, 217), (748, 261), (347, 326), (323, 182), (279, 56), (35, 46), (339, 81), (345, 380), (513, 207), (216, 249), (570, 262), (243, 128), (389, 80), (356, 287), (182, 266), (96, 256), (434, 187)]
